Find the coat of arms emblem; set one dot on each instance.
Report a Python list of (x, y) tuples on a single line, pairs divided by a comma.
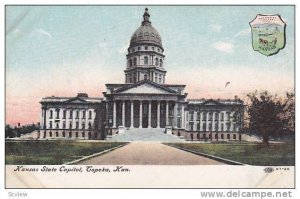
[(268, 34)]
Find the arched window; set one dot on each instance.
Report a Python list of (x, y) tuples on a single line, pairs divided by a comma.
[(130, 62), (70, 125), (90, 125), (83, 114), (152, 35), (146, 34), (77, 114), (90, 114), (156, 61), (64, 125), (71, 113), (160, 62), (145, 60), (64, 134), (228, 136), (222, 127), (50, 125), (77, 125), (51, 114), (57, 113), (50, 133), (134, 61), (83, 125), (64, 114), (57, 125)]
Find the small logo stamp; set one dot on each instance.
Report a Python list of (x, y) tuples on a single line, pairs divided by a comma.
[(268, 34), (268, 170)]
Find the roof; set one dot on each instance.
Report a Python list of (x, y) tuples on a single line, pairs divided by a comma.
[(146, 34), (76, 99), (215, 101)]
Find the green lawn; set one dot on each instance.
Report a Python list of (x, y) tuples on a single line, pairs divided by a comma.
[(248, 153), (51, 152)]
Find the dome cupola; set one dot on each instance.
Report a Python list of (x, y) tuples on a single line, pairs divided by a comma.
[(145, 58), (146, 34)]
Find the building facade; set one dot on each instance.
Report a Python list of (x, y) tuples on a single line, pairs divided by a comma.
[(143, 101)]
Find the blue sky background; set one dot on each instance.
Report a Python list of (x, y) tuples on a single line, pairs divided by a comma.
[(63, 50)]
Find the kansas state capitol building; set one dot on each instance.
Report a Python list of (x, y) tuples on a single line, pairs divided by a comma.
[(144, 102)]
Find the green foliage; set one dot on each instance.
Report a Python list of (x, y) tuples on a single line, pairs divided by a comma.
[(269, 114), (51, 152), (282, 154)]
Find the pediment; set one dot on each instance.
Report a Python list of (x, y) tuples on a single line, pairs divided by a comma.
[(145, 88), (210, 103), (76, 100)]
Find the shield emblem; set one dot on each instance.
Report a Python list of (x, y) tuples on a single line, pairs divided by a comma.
[(268, 34)]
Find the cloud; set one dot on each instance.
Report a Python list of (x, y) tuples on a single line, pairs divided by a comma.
[(44, 32), (244, 32), (223, 46), (215, 27)]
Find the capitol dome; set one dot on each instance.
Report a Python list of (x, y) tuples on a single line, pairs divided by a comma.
[(146, 34)]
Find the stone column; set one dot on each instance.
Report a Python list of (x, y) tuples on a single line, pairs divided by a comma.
[(207, 123), (141, 112), (123, 113), (158, 114), (149, 115), (114, 114), (131, 114), (219, 121), (167, 113), (213, 121), (195, 121), (45, 118), (175, 115), (182, 116)]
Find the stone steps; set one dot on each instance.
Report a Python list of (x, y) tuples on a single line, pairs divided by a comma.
[(150, 135)]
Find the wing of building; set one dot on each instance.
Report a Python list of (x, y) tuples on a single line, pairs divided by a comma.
[(144, 101)]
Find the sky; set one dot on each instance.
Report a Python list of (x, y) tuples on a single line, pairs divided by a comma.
[(64, 50)]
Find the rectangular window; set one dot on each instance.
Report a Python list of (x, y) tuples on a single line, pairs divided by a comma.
[(71, 114), (90, 114), (64, 114), (77, 114), (83, 114)]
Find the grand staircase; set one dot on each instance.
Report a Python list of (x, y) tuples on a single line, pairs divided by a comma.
[(151, 135)]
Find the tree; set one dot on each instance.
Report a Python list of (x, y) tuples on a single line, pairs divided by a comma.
[(9, 132), (269, 114)]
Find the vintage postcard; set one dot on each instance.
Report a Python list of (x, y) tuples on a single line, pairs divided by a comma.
[(150, 96)]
